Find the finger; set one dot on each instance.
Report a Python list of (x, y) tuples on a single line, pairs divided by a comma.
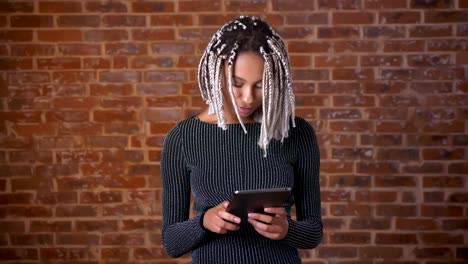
[(229, 217), (267, 219), (264, 228), (277, 211), (225, 205)]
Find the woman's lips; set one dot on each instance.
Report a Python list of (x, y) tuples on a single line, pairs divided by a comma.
[(244, 110)]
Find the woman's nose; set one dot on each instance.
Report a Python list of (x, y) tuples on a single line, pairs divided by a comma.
[(248, 95)]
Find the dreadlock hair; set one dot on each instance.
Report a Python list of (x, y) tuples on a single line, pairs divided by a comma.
[(243, 34)]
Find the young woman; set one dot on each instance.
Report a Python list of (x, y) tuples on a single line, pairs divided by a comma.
[(248, 138)]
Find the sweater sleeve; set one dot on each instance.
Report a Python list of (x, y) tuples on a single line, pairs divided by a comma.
[(306, 232), (180, 234)]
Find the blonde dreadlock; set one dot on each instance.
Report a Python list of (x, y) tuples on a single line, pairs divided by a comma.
[(249, 33)]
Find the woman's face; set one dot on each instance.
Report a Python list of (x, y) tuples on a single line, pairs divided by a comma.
[(247, 78)]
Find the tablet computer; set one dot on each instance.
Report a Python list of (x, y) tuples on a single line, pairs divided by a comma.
[(247, 201)]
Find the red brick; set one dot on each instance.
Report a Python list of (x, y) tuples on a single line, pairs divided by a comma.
[(398, 154), (79, 49), (173, 20), (337, 252), (446, 44), (430, 31), (337, 140), (370, 223), (384, 31), (8, 226), (68, 116), (443, 181), (101, 197), (350, 238), (441, 238), (424, 168), (433, 253), (111, 89), (353, 74), (441, 211), (67, 77), (351, 210), (59, 63), (455, 224), (126, 49), (120, 254), (122, 209), (64, 253), (77, 239), (396, 239), (100, 35), (376, 196), (443, 154), (96, 63), (50, 226), (336, 61), (56, 197), (340, 114), (309, 46), (395, 181), (155, 34), (123, 21), (16, 35), (373, 252), (344, 4), (64, 35), (353, 18), (348, 126), (379, 60), (399, 17), (16, 64), (76, 211), (28, 211), (165, 76), (433, 197), (32, 21), (15, 198), (445, 16), (381, 140), (7, 254), (404, 46), (18, 78), (102, 226), (79, 21), (106, 7), (392, 127), (156, 7), (31, 239), (415, 224), (16, 7), (59, 7), (385, 4), (123, 239), (338, 32), (458, 197), (349, 181), (119, 76)]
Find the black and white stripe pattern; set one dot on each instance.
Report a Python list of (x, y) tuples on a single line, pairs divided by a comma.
[(212, 163)]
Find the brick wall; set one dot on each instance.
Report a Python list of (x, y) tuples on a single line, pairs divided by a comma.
[(89, 89)]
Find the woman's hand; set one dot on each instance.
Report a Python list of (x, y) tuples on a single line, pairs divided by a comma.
[(274, 226), (218, 221)]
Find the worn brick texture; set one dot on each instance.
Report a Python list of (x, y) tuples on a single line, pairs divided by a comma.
[(88, 90)]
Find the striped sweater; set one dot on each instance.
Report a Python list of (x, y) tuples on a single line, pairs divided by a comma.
[(201, 159)]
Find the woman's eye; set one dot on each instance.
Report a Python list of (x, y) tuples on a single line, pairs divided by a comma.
[(236, 84)]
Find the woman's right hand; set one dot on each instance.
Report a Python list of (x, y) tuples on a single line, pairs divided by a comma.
[(218, 221)]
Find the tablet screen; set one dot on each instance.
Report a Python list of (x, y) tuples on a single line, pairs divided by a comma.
[(245, 201)]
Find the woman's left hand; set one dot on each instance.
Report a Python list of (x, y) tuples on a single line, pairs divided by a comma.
[(274, 226)]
